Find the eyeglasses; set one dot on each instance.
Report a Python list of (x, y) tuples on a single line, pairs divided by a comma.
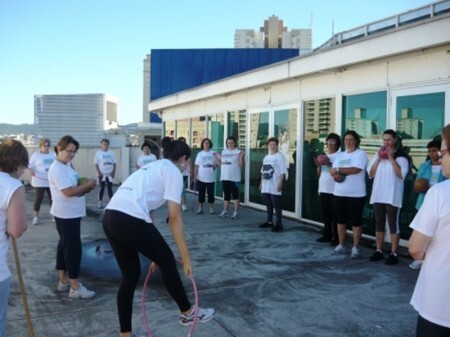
[(442, 153), (46, 145)]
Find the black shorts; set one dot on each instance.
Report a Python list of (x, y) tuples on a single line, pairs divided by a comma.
[(349, 210)]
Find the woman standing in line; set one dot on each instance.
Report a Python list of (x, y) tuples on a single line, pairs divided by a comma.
[(388, 168), (146, 157), (205, 174), (129, 226), (39, 164), (326, 188), (231, 161), (430, 242), (186, 173), (13, 162), (349, 172), (68, 207), (105, 164)]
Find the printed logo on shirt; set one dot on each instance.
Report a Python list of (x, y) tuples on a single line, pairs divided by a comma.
[(267, 171)]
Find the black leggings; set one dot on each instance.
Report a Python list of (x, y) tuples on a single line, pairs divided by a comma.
[(204, 188), (39, 196), (68, 251), (108, 184), (426, 328), (329, 215), (128, 237)]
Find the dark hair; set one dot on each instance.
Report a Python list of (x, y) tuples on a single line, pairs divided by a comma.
[(66, 140), (355, 135), (182, 139), (391, 133), (12, 155), (144, 145), (165, 142), (230, 138), (177, 149), (206, 140), (336, 137), (272, 139), (104, 140), (434, 143)]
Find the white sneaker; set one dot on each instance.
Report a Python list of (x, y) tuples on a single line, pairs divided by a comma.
[(81, 293), (211, 211), (235, 216), (99, 205), (200, 211), (340, 249), (63, 286), (356, 254), (184, 208), (35, 221), (415, 265), (203, 315), (224, 214)]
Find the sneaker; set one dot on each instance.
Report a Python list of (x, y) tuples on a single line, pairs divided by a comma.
[(415, 265), (377, 256), (324, 239), (277, 228), (63, 286), (203, 315), (340, 249), (356, 254), (266, 224), (224, 214), (184, 208), (235, 216), (35, 221), (211, 211), (200, 211), (81, 293), (53, 219), (99, 205), (392, 259)]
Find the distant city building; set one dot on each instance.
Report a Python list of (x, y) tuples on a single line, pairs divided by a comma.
[(87, 117), (274, 35)]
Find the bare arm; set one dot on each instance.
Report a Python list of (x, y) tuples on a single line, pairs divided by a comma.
[(418, 244), (176, 226), (17, 223)]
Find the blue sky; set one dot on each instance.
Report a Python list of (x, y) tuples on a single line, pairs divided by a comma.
[(98, 46)]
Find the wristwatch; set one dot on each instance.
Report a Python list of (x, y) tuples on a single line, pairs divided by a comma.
[(337, 170)]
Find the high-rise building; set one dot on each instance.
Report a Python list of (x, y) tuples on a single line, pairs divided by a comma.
[(86, 117), (274, 35)]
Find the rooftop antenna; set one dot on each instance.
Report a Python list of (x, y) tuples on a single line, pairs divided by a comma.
[(311, 21), (332, 28)]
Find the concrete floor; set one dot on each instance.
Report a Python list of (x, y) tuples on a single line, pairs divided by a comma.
[(261, 283)]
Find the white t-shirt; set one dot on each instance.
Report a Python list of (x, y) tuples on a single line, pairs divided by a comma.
[(40, 163), (354, 185), (145, 159), (230, 169), (105, 161), (435, 174), (205, 162), (326, 181), (274, 165), (147, 189), (432, 291), (60, 177), (387, 187), (8, 185)]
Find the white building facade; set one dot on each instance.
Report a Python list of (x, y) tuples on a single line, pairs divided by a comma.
[(87, 117), (364, 83)]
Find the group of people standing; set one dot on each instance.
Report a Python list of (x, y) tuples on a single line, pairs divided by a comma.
[(342, 189)]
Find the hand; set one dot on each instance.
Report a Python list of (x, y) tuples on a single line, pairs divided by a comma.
[(187, 266), (153, 267)]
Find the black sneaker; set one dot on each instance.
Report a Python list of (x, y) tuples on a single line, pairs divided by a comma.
[(266, 224), (377, 256), (277, 228), (392, 259), (324, 239)]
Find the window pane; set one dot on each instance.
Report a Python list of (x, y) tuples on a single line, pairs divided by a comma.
[(216, 128), (286, 131), (319, 117), (259, 133), (237, 127)]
